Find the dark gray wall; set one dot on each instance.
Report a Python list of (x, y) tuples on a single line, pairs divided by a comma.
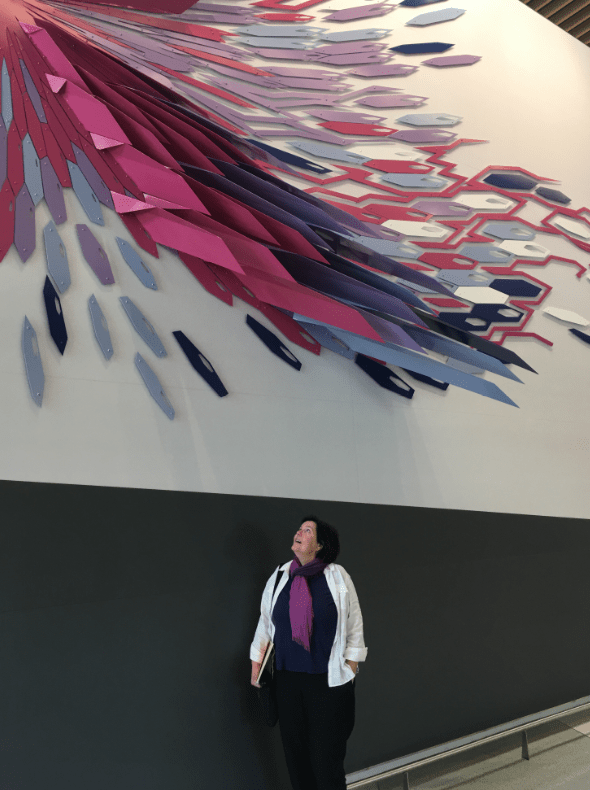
[(126, 618)]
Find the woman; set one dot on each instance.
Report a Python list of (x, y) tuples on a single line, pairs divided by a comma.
[(315, 621)]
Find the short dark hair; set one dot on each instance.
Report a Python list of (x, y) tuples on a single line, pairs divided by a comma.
[(327, 536)]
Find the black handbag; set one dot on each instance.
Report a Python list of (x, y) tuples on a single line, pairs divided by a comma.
[(267, 680)]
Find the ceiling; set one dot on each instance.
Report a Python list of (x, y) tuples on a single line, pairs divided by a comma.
[(572, 16)]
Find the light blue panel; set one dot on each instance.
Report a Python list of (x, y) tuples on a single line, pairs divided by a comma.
[(414, 180), (512, 231), (143, 327), (7, 114), (463, 278), (100, 326), (459, 351), (57, 257), (152, 382), (326, 339), (136, 264), (33, 365), (85, 194), (33, 92), (400, 249), (409, 360), (327, 151), (485, 253), (32, 168), (432, 18)]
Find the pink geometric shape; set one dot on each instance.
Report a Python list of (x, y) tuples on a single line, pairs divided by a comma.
[(161, 203), (181, 235), (93, 114), (55, 57), (103, 142), (29, 28), (125, 204), (150, 176)]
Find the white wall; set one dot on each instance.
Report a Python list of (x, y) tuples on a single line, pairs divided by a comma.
[(328, 432)]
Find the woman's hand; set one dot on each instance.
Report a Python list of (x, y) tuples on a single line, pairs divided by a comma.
[(353, 665), (255, 670)]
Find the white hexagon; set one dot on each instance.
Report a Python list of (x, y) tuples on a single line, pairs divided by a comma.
[(484, 201), (525, 249), (422, 230), (479, 295)]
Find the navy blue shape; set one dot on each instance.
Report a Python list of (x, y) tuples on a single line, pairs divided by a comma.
[(444, 328), (581, 335), (200, 363), (516, 287), (57, 326), (486, 313), (459, 321), (272, 342), (416, 3), (553, 194), (291, 159), (383, 376), (510, 181), (493, 313), (441, 385), (422, 49)]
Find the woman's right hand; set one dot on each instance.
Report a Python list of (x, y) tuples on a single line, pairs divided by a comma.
[(255, 670)]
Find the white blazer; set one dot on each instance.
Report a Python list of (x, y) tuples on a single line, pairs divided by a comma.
[(348, 642)]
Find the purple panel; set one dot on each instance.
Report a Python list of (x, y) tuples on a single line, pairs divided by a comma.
[(452, 60), (359, 12), (95, 256), (348, 48), (3, 152), (53, 192), (310, 74), (439, 208), (346, 117), (341, 286), (99, 187), (285, 54), (393, 70), (302, 84), (24, 224), (355, 59), (392, 101), (423, 136)]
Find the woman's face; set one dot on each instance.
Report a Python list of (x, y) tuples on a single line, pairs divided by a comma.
[(305, 544)]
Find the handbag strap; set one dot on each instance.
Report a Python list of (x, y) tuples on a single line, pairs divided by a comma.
[(276, 583)]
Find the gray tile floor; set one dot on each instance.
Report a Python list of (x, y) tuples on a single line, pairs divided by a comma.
[(559, 758)]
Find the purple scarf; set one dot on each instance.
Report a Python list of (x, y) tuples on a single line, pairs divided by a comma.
[(300, 606)]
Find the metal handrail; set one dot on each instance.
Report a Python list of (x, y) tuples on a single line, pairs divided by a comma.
[(417, 759)]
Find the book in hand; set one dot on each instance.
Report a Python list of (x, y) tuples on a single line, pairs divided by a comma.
[(265, 660)]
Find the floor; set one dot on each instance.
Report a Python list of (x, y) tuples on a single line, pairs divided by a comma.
[(559, 754)]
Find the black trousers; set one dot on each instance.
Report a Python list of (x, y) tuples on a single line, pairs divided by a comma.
[(315, 721)]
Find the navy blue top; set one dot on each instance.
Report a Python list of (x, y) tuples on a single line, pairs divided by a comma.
[(289, 654)]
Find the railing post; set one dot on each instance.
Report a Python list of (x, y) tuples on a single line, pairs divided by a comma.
[(406, 781), (525, 746)]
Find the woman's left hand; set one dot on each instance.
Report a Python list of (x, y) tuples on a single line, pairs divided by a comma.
[(352, 664)]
